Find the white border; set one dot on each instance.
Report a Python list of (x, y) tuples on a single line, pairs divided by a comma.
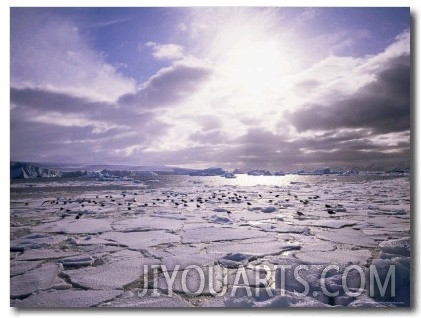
[(5, 151)]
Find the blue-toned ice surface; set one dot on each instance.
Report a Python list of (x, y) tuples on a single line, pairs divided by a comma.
[(211, 242)]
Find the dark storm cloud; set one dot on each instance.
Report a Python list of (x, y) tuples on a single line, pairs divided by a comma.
[(87, 132), (35, 101), (168, 86), (337, 149), (383, 106), (45, 100)]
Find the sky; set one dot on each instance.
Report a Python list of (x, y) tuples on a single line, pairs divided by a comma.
[(234, 87)]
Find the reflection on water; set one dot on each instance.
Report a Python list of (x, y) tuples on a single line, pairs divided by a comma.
[(77, 185), (247, 180)]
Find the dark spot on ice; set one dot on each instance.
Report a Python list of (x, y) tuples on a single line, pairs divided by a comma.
[(330, 211)]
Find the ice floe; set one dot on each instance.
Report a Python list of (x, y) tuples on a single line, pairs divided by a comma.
[(109, 276), (347, 236), (45, 277), (93, 245), (77, 261), (214, 234), (67, 298), (34, 241), (141, 240), (83, 226), (338, 256)]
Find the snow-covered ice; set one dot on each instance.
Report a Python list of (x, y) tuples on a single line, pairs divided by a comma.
[(67, 298), (43, 278), (140, 240), (85, 243)]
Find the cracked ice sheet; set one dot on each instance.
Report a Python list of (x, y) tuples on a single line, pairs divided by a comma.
[(203, 280), (86, 241), (20, 267), (42, 278), (141, 240), (44, 254), (328, 223), (214, 234), (161, 301), (241, 299), (347, 236), (67, 298), (113, 275), (312, 243), (183, 261), (281, 228), (257, 215), (257, 249), (81, 226), (146, 223), (34, 241), (389, 223), (377, 234), (339, 256), (176, 250)]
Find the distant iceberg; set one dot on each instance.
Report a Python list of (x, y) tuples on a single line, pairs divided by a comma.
[(259, 172), (279, 173), (317, 172), (209, 172), (229, 175), (24, 170)]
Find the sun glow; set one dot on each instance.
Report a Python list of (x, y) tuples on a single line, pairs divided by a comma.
[(256, 68), (253, 73), (254, 64)]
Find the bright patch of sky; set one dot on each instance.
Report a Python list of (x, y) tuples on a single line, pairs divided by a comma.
[(277, 88)]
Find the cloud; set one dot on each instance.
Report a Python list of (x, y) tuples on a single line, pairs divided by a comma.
[(169, 51), (49, 51), (47, 100), (49, 126), (337, 149), (383, 105), (252, 97), (210, 138), (168, 86)]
